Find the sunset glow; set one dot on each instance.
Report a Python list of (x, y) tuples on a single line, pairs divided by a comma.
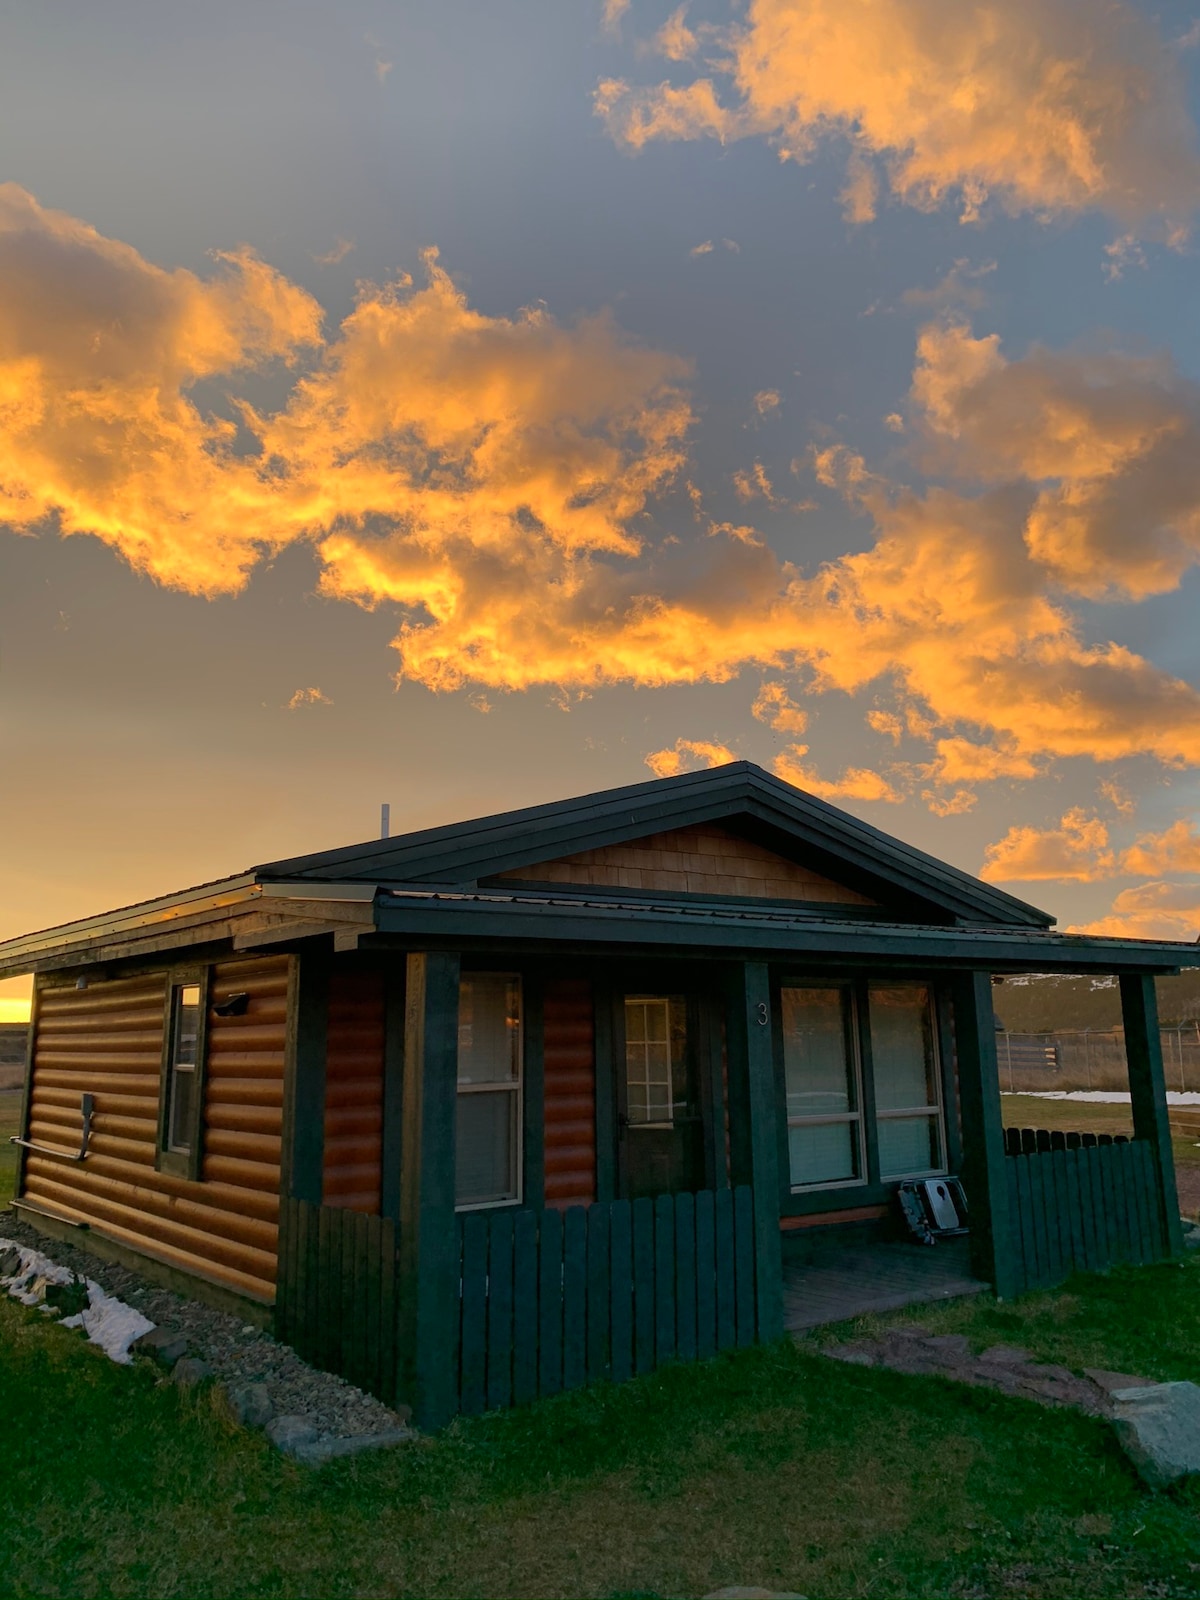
[(804, 382)]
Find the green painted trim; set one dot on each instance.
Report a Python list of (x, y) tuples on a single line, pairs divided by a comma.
[(710, 1040), (429, 1270), (860, 992), (533, 1090), (752, 1058), (1148, 1094), (951, 1110), (190, 1163), (609, 1038), (993, 1241), (304, 1079), (391, 1155)]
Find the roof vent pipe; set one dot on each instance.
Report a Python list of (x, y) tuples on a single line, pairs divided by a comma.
[(385, 820)]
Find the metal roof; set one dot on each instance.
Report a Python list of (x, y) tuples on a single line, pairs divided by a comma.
[(738, 793)]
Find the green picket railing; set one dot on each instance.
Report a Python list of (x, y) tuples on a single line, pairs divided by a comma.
[(554, 1300), (548, 1300), (1082, 1203)]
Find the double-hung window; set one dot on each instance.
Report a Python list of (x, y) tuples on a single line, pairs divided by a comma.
[(823, 1086), (908, 1101), (181, 1100), (488, 1134)]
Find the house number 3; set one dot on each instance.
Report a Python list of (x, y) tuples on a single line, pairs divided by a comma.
[(762, 1013)]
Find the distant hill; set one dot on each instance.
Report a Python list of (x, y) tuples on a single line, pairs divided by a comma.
[(1045, 1004)]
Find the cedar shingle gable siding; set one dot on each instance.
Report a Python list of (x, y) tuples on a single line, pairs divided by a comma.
[(703, 859)]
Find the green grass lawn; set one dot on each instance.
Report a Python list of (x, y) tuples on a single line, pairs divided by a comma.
[(772, 1467)]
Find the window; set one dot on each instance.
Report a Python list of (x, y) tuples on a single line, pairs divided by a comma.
[(824, 1112), (908, 1098), (655, 1049), (183, 1075), (488, 1163)]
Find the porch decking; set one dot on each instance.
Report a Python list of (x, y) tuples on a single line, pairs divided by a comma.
[(857, 1280)]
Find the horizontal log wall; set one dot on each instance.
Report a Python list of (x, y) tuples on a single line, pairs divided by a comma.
[(107, 1040), (569, 1069), (354, 1054)]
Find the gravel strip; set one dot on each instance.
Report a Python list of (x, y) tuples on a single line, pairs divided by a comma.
[(237, 1353)]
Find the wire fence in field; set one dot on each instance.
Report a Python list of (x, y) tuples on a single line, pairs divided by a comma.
[(1091, 1058)]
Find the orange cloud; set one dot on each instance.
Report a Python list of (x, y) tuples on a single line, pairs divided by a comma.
[(1176, 849), (856, 783), (949, 805), (774, 706), (688, 755), (1078, 849), (489, 477), (1047, 105), (1151, 911), (100, 355), (308, 697), (1110, 441)]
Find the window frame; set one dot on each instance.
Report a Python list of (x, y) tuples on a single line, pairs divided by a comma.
[(517, 1087), (936, 1074), (851, 1029), (183, 1163)]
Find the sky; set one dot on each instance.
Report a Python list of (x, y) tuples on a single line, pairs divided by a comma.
[(469, 406)]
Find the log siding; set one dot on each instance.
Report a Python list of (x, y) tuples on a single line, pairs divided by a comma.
[(354, 1068), (107, 1040), (570, 1093)]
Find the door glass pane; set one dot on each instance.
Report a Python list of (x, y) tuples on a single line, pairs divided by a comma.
[(485, 1163), (489, 1028), (908, 1145), (817, 1066), (902, 1048), (823, 1152), (187, 1025), (649, 1089)]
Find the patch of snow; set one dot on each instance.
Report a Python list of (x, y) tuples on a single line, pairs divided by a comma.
[(107, 1321), (1104, 1097)]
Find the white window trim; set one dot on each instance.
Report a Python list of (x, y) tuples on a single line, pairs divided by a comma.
[(517, 1088), (855, 1118)]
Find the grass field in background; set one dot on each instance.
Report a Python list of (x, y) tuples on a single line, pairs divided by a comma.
[(773, 1467), (10, 1113)]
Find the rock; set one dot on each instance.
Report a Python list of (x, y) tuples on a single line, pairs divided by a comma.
[(249, 1404), (164, 1345), (741, 1591), (68, 1299), (10, 1263), (948, 1346), (1005, 1355), (1110, 1382), (325, 1449), (1190, 1230), (1158, 1426), (855, 1355), (190, 1371), (291, 1435)]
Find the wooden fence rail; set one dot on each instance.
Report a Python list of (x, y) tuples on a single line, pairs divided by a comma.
[(337, 1301), (547, 1300), (1082, 1202), (553, 1300)]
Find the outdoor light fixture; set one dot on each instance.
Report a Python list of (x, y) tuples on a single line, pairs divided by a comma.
[(233, 1005)]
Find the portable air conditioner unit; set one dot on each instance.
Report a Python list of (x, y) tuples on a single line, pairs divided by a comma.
[(933, 1208)]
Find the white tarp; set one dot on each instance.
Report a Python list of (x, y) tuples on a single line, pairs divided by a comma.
[(107, 1321)]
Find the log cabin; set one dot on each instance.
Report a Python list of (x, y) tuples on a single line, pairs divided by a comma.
[(489, 1110)]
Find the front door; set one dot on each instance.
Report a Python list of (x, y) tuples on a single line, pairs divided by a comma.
[(660, 1115)]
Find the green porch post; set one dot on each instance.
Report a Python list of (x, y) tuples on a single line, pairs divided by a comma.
[(428, 1286), (303, 1149), (984, 1175), (756, 1148), (1148, 1093)]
